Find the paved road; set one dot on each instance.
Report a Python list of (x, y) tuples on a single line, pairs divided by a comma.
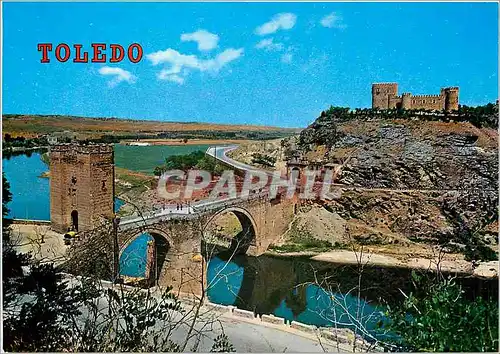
[(220, 153), (246, 335), (257, 338)]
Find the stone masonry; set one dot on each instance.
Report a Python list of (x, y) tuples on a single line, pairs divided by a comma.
[(180, 267), (81, 185)]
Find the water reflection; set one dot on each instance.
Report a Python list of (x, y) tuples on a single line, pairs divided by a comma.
[(286, 288), (319, 293), (224, 280)]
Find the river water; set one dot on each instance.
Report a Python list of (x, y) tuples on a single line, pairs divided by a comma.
[(294, 289), (30, 192)]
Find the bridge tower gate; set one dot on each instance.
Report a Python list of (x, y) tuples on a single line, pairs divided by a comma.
[(81, 186)]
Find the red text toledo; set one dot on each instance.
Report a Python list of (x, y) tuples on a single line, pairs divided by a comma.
[(98, 53)]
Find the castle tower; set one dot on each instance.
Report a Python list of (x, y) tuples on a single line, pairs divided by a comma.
[(81, 185), (406, 102), (381, 93), (451, 98)]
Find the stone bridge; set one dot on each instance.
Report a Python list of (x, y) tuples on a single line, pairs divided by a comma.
[(178, 254)]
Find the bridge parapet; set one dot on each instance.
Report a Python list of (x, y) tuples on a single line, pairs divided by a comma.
[(198, 209)]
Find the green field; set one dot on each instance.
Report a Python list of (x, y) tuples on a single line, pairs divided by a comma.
[(145, 158)]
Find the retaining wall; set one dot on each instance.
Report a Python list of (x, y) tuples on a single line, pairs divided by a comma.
[(340, 335)]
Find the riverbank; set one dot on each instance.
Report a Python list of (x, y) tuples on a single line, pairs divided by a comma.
[(38, 239), (488, 270), (23, 149), (181, 142)]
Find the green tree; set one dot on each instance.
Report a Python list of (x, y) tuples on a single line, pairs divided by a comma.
[(210, 164), (43, 313), (195, 159), (263, 159), (437, 316), (183, 162)]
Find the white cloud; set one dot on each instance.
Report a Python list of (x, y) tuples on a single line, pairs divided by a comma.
[(181, 64), (118, 75), (283, 21), (165, 75), (268, 44), (287, 58), (206, 40), (333, 20), (221, 59)]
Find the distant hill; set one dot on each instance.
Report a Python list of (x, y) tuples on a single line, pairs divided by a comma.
[(32, 125)]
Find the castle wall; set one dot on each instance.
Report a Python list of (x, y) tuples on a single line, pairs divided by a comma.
[(81, 182), (394, 102), (451, 98), (433, 102)]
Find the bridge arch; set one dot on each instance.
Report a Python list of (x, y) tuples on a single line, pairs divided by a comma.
[(248, 235), (145, 258)]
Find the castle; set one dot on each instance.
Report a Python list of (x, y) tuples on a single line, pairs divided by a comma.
[(385, 96)]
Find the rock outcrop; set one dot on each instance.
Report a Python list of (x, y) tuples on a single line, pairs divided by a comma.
[(428, 181)]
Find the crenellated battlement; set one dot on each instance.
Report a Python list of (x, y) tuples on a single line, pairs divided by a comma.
[(82, 149), (427, 96)]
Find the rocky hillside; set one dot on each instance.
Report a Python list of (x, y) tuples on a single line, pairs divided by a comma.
[(417, 180), (249, 151)]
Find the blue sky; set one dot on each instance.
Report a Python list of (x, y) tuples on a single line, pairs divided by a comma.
[(256, 63)]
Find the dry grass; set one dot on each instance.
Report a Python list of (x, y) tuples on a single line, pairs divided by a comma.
[(29, 124)]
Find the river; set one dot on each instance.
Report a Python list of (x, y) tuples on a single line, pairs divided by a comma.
[(311, 292)]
